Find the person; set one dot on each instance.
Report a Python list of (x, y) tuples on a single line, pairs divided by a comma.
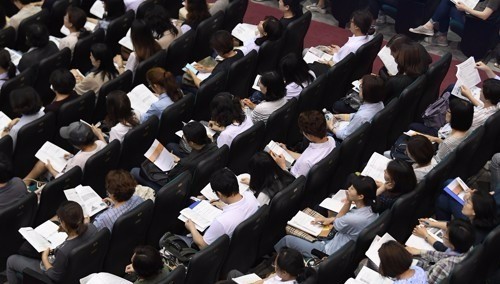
[(165, 87), (296, 74), (37, 38), (103, 70), (420, 150), (312, 125), (396, 263), (74, 21), (291, 10), (218, 5), (488, 103), (319, 7), (459, 237), (113, 9), (266, 177), (227, 118), (195, 135), (238, 208), (121, 118), (54, 262), (7, 69), (164, 31), (26, 102), (147, 264), (374, 8), (63, 83), (348, 223), (372, 92), (273, 90), (197, 12), (83, 138), (26, 9), (12, 188), (399, 180), (447, 10), (270, 29), (487, 70), (120, 188)]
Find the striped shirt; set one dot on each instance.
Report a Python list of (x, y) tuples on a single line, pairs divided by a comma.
[(107, 218), (444, 264), (481, 114), (263, 110)]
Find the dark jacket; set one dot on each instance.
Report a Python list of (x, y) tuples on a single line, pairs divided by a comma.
[(33, 57)]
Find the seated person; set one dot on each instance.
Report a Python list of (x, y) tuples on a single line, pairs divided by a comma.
[(147, 264), (291, 10), (399, 180), (74, 21), (55, 262), (196, 12), (396, 263), (237, 208), (37, 38), (164, 31), (62, 83), (487, 70), (121, 118), (421, 151), (459, 237), (218, 5), (26, 9), (120, 188), (348, 223), (488, 103), (12, 188), (296, 74), (7, 69), (312, 125), (270, 29)]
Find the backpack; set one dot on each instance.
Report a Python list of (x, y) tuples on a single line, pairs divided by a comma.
[(174, 249), (435, 114)]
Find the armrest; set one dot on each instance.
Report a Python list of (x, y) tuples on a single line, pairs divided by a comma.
[(30, 276)]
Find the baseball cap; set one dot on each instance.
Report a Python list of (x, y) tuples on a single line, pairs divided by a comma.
[(77, 133)]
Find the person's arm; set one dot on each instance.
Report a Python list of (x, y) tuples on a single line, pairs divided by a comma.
[(196, 80), (468, 94), (98, 134), (483, 15), (197, 237), (487, 70), (345, 208), (45, 259)]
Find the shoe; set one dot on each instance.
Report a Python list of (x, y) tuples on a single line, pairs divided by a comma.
[(422, 30), (437, 40), (381, 20), (316, 8)]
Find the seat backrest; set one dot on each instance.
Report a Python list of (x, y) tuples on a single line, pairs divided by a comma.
[(212, 162), (176, 276), (465, 152), (295, 33), (157, 60), (179, 52), (365, 56), (269, 55), (41, 17), (204, 31), (205, 94), (338, 81), (30, 139), (169, 201), (98, 166), (244, 146), (122, 82), (53, 194), (173, 117), (6, 146), (234, 13), (404, 218), (335, 269), (25, 78), (57, 13), (492, 249), (8, 37), (204, 266), (61, 59), (489, 144), (136, 142), (241, 75), (128, 232), (81, 53), (365, 238), (279, 122), (117, 29)]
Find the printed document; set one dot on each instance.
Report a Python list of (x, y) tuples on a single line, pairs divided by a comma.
[(15, 56), (160, 156), (372, 252), (210, 132), (336, 202), (98, 9), (303, 222), (55, 154), (90, 201), (245, 32), (247, 279), (44, 236), (4, 121), (202, 213), (388, 60), (88, 26), (210, 194), (315, 54), (376, 166), (126, 41), (276, 149), (467, 75), (141, 98)]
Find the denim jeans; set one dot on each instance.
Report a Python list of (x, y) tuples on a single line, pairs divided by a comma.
[(303, 246), (446, 10), (16, 264)]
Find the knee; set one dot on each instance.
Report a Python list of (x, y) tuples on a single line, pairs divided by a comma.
[(495, 160)]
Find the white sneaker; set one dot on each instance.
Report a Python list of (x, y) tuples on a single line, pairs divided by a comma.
[(316, 8), (422, 30)]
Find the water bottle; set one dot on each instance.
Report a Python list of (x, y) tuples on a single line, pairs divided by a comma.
[(328, 114)]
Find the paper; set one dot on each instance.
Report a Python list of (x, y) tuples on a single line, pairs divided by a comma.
[(255, 85), (303, 221), (476, 93), (55, 154), (356, 85), (103, 277), (160, 156), (90, 201), (388, 60), (210, 194), (141, 98), (469, 3), (247, 279), (467, 75), (420, 243), (98, 9), (315, 54), (372, 252), (202, 214), (457, 189), (245, 32), (15, 56), (55, 40), (276, 149), (4, 120), (368, 276), (126, 41), (210, 132), (44, 236), (336, 202), (376, 167), (89, 26)]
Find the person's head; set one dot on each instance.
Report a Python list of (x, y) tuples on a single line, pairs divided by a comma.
[(225, 109), (143, 41), (224, 183), (159, 21), (62, 80), (272, 86), (6, 169), (290, 6), (394, 259), (480, 208), (270, 29), (361, 23), (75, 18), (362, 189), (410, 60), (70, 215), (222, 42), (419, 148), (197, 11), (37, 35), (312, 123), (263, 170), (119, 109), (120, 185), (114, 9), (399, 177), (459, 235), (102, 60), (395, 42), (6, 63), (491, 91), (372, 89), (195, 132), (162, 81), (289, 265), (461, 115), (78, 134), (147, 262), (25, 101), (295, 70)]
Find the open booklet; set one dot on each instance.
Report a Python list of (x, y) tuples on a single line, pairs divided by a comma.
[(160, 156), (368, 276), (388, 60), (90, 201), (141, 98), (304, 222), (45, 236), (4, 121), (210, 132), (89, 26), (316, 54), (336, 202), (245, 32), (276, 149), (97, 9), (210, 194), (126, 41), (467, 75), (372, 252), (55, 154), (457, 189), (202, 213), (247, 279), (420, 243), (469, 3), (15, 56), (376, 166)]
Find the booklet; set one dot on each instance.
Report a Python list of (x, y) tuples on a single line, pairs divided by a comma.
[(45, 236), (336, 202), (90, 201), (315, 54), (210, 194), (467, 75), (4, 121), (89, 26), (388, 60), (255, 85), (103, 277), (420, 243), (126, 41), (303, 222), (141, 98), (457, 189), (15, 56), (369, 276), (55, 40), (469, 3), (276, 149), (247, 279), (245, 32), (376, 166), (210, 132), (356, 85), (207, 62), (98, 9), (372, 252), (160, 156), (55, 154), (202, 213)]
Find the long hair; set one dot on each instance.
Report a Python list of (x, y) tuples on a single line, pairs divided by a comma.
[(71, 214), (143, 41), (166, 80), (107, 68), (197, 11), (226, 109), (119, 109), (264, 172), (159, 21), (295, 70)]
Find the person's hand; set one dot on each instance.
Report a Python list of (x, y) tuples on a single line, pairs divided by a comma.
[(389, 185), (13, 122), (481, 66), (176, 159), (202, 68), (413, 251), (215, 126), (465, 91), (190, 226), (461, 7), (248, 103), (217, 203), (320, 220), (427, 222), (282, 145), (45, 253), (129, 269), (77, 75), (420, 231), (334, 48), (279, 159), (118, 60), (49, 166), (67, 156), (97, 132), (330, 123), (379, 183), (245, 180), (190, 73), (342, 116)]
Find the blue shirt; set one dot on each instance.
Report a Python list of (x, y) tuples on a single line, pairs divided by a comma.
[(419, 277), (107, 218), (157, 108), (364, 114)]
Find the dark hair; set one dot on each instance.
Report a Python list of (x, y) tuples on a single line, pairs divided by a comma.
[(420, 149), (147, 262), (396, 41), (225, 182), (312, 122), (295, 70), (491, 90), (226, 109), (363, 20), (25, 101), (403, 176), (101, 52), (6, 169), (196, 133), (3, 20), (462, 113), (365, 186), (24, 2), (394, 259), (143, 41), (78, 18), (294, 6), (159, 21), (71, 214), (114, 9), (273, 29), (410, 61), (275, 87), (37, 35), (6, 63), (461, 235), (119, 109), (292, 262), (373, 88), (484, 207), (166, 80), (222, 42), (197, 11), (120, 184), (62, 80), (264, 172)]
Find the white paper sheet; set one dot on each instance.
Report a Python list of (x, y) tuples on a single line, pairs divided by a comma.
[(203, 214), (276, 149), (469, 3), (15, 56), (98, 9), (210, 132), (372, 252), (376, 166), (160, 156), (4, 120), (86, 196), (126, 41), (303, 221), (336, 202), (89, 26), (467, 75), (55, 154), (315, 55), (247, 279), (103, 277), (368, 276), (44, 236), (388, 60), (141, 98), (255, 85), (210, 194), (245, 32)]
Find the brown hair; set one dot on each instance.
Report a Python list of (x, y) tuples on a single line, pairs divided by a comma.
[(312, 122), (373, 88), (143, 41), (394, 259), (166, 80), (410, 60), (71, 214), (120, 184)]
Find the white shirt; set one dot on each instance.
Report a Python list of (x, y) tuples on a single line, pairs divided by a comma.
[(293, 89), (132, 4), (277, 280), (351, 45), (80, 158), (119, 130), (185, 28), (132, 62), (226, 137), (314, 153), (249, 45), (232, 215), (262, 111), (420, 172), (481, 114), (364, 114), (69, 41)]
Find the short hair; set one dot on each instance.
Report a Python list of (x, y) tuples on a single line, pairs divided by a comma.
[(491, 90), (461, 235), (225, 182), (222, 42), (394, 259), (411, 60), (291, 261), (120, 184), (62, 81), (225, 109), (363, 20), (275, 87), (294, 6), (312, 122), (77, 18), (462, 114), (147, 261), (25, 100), (403, 176), (37, 35), (71, 214), (6, 169), (195, 132), (365, 186), (420, 149), (373, 88)]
